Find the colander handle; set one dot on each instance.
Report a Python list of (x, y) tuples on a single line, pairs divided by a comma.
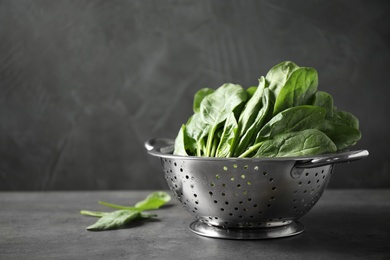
[(160, 145), (342, 157)]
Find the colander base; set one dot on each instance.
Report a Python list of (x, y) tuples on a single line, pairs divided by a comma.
[(292, 229)]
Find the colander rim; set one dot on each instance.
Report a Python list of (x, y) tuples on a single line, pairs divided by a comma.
[(166, 151)]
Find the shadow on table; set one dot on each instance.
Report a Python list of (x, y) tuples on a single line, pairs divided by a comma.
[(351, 231)]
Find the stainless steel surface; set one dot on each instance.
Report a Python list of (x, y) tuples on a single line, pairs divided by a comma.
[(246, 194), (292, 229)]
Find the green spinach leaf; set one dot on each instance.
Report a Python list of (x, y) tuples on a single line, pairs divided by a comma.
[(248, 137), (342, 135), (302, 143), (114, 220), (126, 214), (199, 96), (181, 145), (153, 201), (325, 100), (292, 120), (216, 107), (298, 89), (278, 75), (227, 138)]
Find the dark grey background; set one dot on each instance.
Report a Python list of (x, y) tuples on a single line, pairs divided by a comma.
[(84, 83)]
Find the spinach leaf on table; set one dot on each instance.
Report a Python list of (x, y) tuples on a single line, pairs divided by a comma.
[(126, 214)]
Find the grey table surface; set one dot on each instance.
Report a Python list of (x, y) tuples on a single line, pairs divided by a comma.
[(344, 224)]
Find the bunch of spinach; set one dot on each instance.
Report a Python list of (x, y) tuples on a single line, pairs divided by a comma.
[(285, 115), (126, 214)]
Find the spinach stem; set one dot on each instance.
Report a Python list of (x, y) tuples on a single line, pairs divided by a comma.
[(210, 141), (115, 206), (214, 148), (198, 149), (250, 150)]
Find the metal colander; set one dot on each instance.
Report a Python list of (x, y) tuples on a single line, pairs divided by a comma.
[(248, 198)]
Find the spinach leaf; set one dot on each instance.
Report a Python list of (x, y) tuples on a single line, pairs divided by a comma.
[(302, 143), (114, 220), (277, 76), (227, 138), (153, 201), (298, 89), (345, 118), (250, 111), (195, 132), (251, 91), (342, 135), (199, 96), (216, 107), (248, 138), (292, 120), (181, 144), (126, 214), (325, 100)]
